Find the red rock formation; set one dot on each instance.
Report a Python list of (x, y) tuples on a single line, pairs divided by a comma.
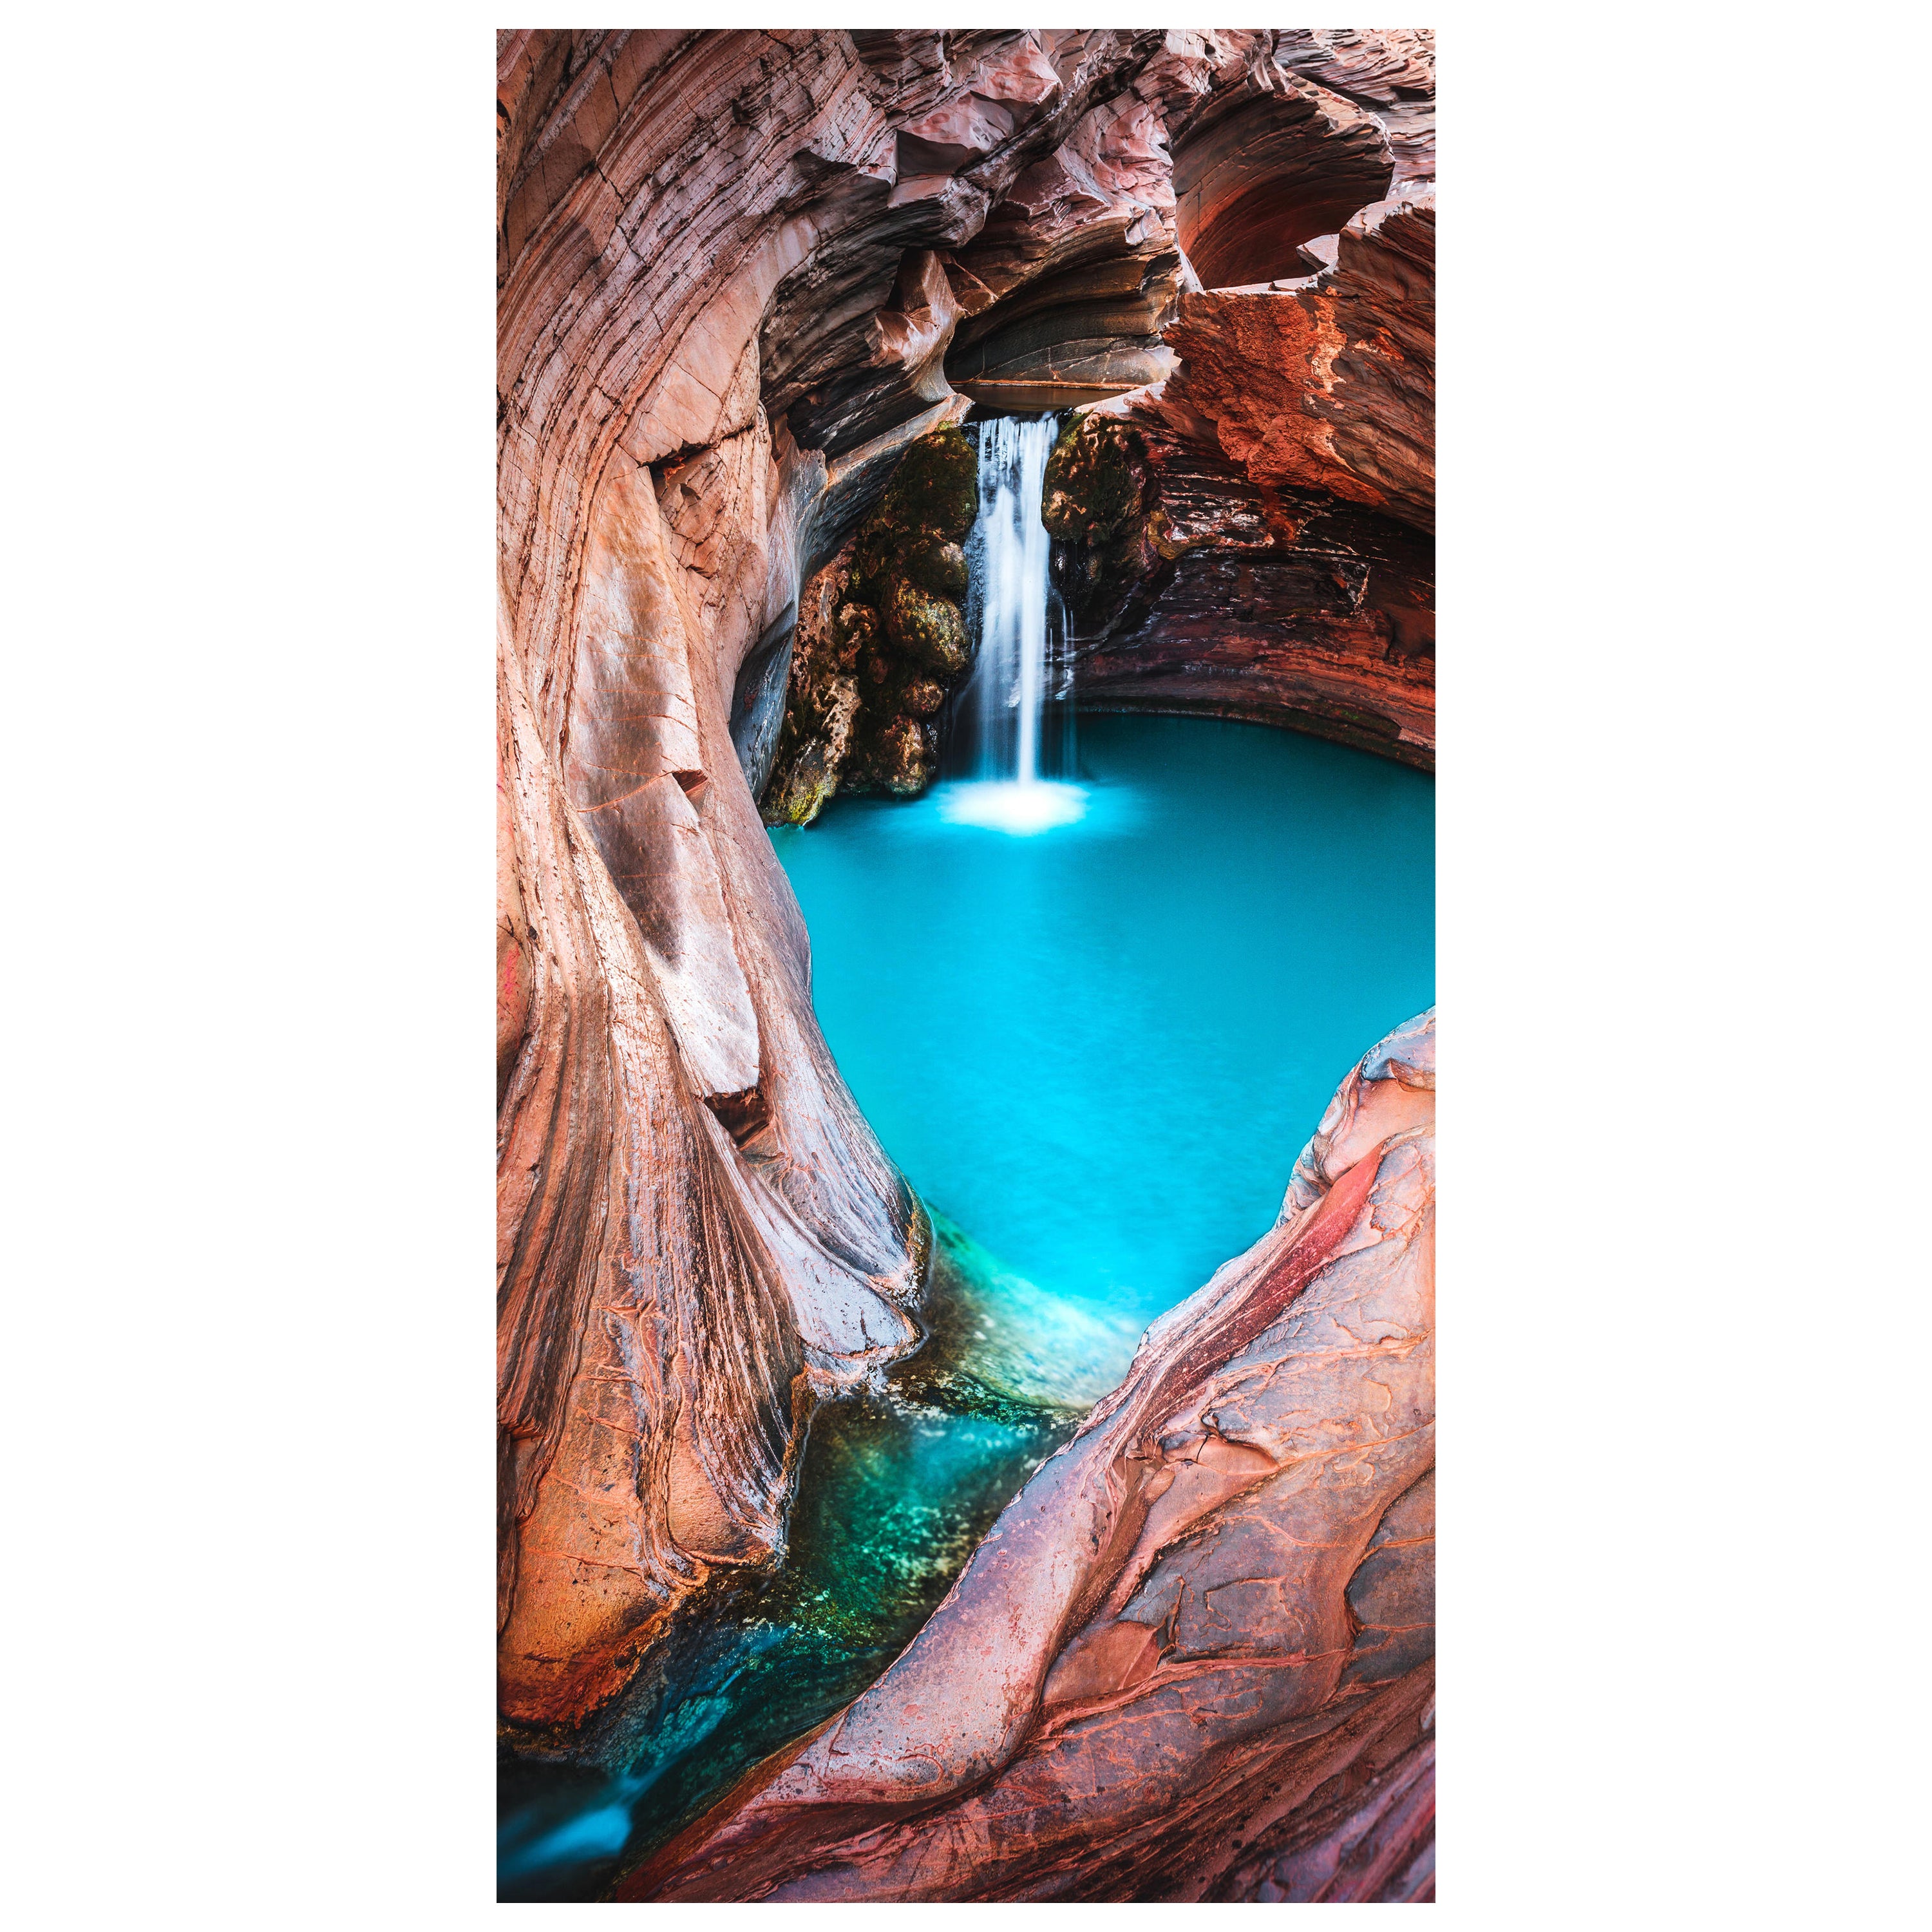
[(1330, 386), (1192, 1659), (695, 1224), (1283, 572), (730, 278), (1209, 596), (1219, 136)]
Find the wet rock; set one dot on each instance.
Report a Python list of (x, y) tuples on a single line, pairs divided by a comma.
[(937, 566), (898, 756), (1095, 480), (927, 629), (894, 633), (811, 768), (923, 697), (822, 703), (858, 630), (934, 493)]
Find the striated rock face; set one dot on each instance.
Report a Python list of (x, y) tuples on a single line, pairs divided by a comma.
[(697, 1230), (1193, 1659), (1329, 386), (1194, 590), (737, 271), (723, 307), (1275, 563)]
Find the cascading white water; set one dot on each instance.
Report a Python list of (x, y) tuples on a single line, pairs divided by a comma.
[(1012, 625), (1011, 678)]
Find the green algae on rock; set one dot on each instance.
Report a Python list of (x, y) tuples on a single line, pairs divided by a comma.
[(935, 488), (822, 701), (881, 641), (938, 567)]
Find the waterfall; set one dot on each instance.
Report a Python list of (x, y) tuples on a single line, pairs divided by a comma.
[(1017, 670)]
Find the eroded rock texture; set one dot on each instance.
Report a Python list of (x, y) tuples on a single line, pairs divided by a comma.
[(722, 319), (697, 1228), (737, 272), (1277, 562), (1193, 1659), (1193, 589)]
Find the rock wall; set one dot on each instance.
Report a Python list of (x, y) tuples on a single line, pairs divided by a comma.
[(1193, 588), (1194, 1658), (720, 316), (735, 271), (1282, 570), (1276, 562), (696, 1227)]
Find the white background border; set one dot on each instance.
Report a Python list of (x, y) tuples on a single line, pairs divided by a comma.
[(251, 544)]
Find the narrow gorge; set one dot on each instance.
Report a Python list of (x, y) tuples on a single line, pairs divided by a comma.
[(965, 752)]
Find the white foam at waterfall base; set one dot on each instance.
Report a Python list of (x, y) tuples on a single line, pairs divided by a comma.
[(1016, 805)]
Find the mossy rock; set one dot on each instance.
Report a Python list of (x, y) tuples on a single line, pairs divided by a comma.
[(936, 487), (897, 638), (812, 751), (1096, 481), (874, 552), (928, 629), (938, 565)]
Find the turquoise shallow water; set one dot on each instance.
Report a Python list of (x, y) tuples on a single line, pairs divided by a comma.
[(1096, 1051), (1100, 1048)]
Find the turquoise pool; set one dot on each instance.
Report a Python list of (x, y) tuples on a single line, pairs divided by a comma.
[(1095, 1051), (1099, 1048)]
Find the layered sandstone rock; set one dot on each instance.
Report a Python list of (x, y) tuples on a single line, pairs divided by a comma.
[(1328, 383), (1277, 562), (1193, 590), (1193, 1658), (734, 270), (696, 1227), (722, 320)]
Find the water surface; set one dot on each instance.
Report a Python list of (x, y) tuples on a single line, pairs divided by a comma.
[(1100, 1048), (1096, 1050)]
